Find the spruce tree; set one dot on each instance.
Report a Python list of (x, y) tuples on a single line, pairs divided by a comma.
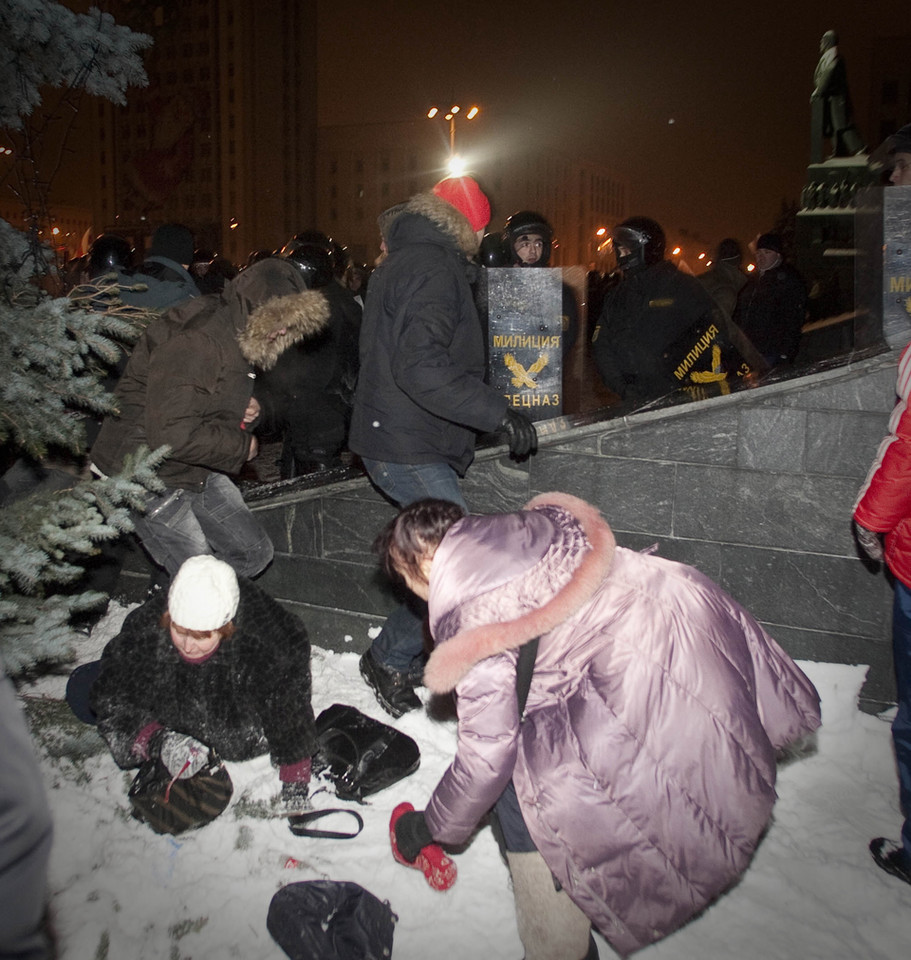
[(55, 351)]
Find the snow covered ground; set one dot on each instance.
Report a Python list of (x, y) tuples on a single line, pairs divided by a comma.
[(121, 891)]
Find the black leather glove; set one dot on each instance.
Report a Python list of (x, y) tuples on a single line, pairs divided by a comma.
[(870, 542), (523, 438), (412, 834)]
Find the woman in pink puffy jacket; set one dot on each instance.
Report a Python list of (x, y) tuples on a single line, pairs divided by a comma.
[(633, 788)]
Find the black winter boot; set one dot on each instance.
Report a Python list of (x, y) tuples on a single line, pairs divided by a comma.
[(393, 690), (891, 857)]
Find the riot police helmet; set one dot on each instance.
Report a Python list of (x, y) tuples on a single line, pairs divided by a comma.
[(109, 252), (528, 223), (494, 251), (642, 241), (312, 259)]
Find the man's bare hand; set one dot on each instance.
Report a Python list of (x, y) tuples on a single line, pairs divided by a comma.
[(253, 410)]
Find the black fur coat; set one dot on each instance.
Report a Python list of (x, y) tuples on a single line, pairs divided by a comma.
[(250, 697)]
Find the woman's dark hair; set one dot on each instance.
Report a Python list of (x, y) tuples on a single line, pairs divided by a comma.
[(416, 531)]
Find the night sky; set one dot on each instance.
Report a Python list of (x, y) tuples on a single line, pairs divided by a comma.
[(735, 78)]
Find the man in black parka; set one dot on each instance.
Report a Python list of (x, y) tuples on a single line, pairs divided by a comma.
[(421, 398)]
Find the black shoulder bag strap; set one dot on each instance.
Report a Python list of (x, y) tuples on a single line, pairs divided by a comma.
[(298, 824), (525, 667)]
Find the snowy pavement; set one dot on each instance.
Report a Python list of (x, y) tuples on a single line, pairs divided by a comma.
[(121, 891)]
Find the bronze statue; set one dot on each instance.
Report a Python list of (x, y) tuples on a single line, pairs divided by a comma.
[(831, 103)]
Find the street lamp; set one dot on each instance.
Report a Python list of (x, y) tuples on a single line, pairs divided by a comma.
[(602, 239), (450, 116)]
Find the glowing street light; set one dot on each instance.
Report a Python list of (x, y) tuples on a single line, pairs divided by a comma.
[(450, 116)]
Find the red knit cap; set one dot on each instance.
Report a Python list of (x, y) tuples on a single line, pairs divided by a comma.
[(466, 196)]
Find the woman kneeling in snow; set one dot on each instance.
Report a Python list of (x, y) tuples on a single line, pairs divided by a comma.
[(635, 785), (214, 663)]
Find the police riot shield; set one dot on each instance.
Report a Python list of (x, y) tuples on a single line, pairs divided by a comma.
[(883, 266), (712, 358), (525, 331)]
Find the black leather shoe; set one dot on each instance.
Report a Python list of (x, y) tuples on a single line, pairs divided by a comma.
[(393, 690), (891, 858)]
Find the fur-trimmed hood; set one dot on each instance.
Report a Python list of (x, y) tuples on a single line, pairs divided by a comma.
[(301, 315), (271, 295), (444, 216), (541, 565)]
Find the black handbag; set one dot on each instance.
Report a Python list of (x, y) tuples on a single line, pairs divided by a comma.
[(331, 920), (173, 806), (359, 755)]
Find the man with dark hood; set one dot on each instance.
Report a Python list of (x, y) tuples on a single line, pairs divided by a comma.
[(189, 385), (725, 278), (307, 395), (164, 279), (772, 305)]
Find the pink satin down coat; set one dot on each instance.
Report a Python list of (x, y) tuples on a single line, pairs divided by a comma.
[(645, 766)]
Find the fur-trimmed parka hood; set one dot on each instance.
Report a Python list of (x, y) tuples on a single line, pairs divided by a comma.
[(271, 295), (444, 216), (498, 581)]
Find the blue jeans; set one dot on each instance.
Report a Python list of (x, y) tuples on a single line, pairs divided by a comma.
[(179, 524), (401, 641), (901, 725)]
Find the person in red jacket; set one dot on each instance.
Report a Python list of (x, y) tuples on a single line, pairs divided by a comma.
[(883, 513)]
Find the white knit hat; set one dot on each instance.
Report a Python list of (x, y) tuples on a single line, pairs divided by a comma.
[(204, 594)]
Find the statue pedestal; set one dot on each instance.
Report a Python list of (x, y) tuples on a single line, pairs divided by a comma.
[(825, 251)]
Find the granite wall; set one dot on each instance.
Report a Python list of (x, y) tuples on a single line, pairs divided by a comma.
[(755, 489)]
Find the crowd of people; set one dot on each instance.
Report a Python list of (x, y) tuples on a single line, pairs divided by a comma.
[(651, 330), (557, 642)]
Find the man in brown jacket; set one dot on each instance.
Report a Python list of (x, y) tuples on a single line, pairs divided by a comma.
[(189, 386)]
